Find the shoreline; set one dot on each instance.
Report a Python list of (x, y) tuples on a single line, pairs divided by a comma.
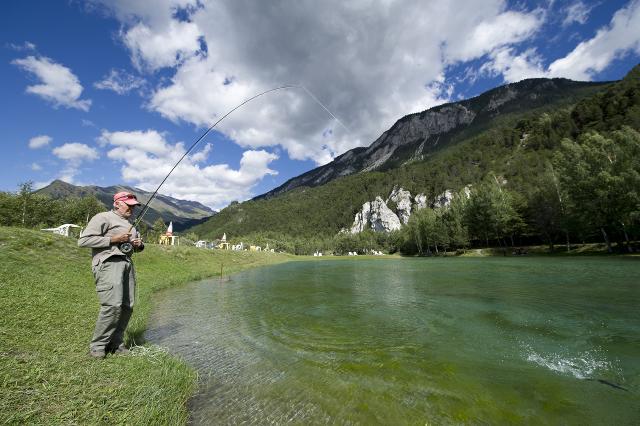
[(48, 294)]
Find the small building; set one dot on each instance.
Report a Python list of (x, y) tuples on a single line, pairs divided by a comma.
[(224, 245), (168, 239), (201, 244)]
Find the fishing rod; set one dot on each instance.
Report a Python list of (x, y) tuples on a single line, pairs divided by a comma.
[(127, 247)]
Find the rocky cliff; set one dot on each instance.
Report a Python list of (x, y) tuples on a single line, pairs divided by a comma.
[(379, 217), (402, 200)]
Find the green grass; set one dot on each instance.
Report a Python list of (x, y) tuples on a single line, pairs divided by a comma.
[(49, 307)]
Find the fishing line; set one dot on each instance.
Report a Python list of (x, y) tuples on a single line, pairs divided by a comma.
[(325, 108), (127, 247), (197, 141)]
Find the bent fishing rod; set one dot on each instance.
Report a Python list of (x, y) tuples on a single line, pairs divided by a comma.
[(127, 247)]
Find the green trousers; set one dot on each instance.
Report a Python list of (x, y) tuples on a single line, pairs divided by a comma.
[(115, 285)]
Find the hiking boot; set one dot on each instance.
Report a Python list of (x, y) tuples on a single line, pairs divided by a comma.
[(97, 354), (120, 350)]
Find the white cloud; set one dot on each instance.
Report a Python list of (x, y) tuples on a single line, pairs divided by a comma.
[(166, 48), (39, 141), (577, 12), (149, 141), (120, 82), (514, 67), (21, 47), (588, 58), (75, 152), (147, 158), (504, 29), (201, 156), (594, 55), (58, 84), (369, 63), (36, 167)]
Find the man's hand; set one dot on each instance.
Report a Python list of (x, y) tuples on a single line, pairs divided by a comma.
[(137, 242), (122, 238)]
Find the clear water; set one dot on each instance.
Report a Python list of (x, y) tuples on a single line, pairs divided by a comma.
[(412, 341)]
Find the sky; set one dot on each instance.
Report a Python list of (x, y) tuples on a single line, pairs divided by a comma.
[(101, 92)]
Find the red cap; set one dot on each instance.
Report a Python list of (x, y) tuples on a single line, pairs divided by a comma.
[(126, 197)]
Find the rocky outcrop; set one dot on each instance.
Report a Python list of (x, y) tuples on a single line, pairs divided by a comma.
[(443, 200), (501, 98), (375, 215), (362, 219), (420, 201), (416, 128), (402, 199)]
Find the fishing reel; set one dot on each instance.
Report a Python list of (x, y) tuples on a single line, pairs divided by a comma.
[(126, 248)]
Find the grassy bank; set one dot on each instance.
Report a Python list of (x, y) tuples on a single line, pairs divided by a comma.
[(49, 307)]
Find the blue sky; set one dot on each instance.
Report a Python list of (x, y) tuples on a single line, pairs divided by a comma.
[(107, 92)]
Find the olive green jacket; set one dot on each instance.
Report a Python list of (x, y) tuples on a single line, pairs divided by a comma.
[(97, 236)]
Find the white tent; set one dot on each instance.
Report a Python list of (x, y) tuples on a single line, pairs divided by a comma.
[(62, 229)]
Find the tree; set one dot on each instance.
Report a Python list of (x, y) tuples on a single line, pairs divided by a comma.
[(80, 210), (427, 229), (492, 213), (602, 177), (25, 192), (480, 214), (158, 228), (416, 234), (8, 209), (453, 218), (547, 208)]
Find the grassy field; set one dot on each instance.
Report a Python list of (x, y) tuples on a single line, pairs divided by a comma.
[(49, 307)]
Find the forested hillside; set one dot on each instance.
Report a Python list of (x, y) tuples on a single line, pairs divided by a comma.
[(61, 202), (182, 213), (568, 172)]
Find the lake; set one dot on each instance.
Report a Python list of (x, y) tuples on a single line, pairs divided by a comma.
[(412, 341)]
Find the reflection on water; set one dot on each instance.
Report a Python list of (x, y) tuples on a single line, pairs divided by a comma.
[(409, 341)]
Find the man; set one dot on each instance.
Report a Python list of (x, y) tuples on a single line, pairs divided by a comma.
[(113, 272)]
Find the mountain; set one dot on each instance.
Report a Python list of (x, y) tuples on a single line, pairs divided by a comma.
[(416, 136), (509, 135), (183, 213)]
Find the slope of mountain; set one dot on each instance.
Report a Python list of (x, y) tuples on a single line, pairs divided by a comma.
[(416, 136), (183, 213), (507, 139)]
